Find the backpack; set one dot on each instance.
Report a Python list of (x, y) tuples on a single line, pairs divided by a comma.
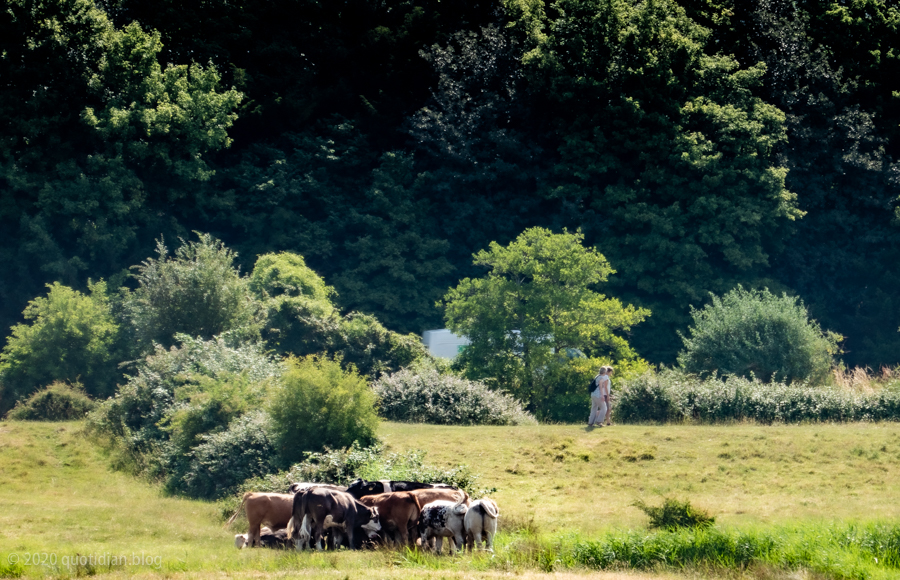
[(592, 386)]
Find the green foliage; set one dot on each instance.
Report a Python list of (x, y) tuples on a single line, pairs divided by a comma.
[(138, 421), (666, 151), (226, 458), (58, 402), (671, 395), (430, 397), (755, 333), (536, 300), (317, 404), (101, 142), (567, 379), (674, 514), (71, 337), (362, 341), (197, 292)]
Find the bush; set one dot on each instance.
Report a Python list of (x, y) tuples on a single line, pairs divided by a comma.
[(674, 514), (359, 339), (58, 402), (138, 420), (672, 395), (429, 397), (198, 292), (317, 405), (224, 460), (71, 337), (755, 333)]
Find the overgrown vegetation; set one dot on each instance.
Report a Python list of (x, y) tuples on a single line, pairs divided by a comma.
[(758, 334), (674, 514), (427, 396), (68, 337), (58, 402), (316, 404), (672, 395)]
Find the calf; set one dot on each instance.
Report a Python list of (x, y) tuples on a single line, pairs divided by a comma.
[(443, 519), (272, 508), (481, 518), (267, 539), (399, 513)]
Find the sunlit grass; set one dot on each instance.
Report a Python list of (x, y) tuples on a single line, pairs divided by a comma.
[(558, 487)]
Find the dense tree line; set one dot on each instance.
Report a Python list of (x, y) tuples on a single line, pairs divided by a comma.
[(698, 145)]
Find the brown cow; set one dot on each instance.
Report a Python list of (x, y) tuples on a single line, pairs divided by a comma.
[(317, 506), (399, 513), (446, 493), (274, 509)]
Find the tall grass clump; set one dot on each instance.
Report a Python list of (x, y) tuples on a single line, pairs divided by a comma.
[(756, 333), (674, 514), (673, 395), (426, 396)]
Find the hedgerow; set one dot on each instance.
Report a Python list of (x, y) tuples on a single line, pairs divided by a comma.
[(672, 395), (426, 396)]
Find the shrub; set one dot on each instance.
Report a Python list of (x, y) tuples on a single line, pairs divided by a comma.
[(359, 339), (223, 460), (58, 402), (198, 292), (755, 333), (429, 397), (674, 514), (676, 396), (70, 337), (138, 419), (317, 404)]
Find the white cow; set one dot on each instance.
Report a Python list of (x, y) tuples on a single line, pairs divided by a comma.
[(481, 519)]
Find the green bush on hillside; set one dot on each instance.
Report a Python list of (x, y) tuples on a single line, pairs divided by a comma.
[(317, 404), (70, 337), (58, 402), (139, 419), (754, 332), (427, 396), (223, 460), (197, 292)]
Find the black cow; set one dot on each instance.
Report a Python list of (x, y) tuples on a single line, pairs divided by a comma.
[(318, 504), (302, 485), (361, 487)]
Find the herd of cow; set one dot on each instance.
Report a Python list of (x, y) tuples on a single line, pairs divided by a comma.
[(367, 513)]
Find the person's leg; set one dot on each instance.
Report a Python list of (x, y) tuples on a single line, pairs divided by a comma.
[(608, 411), (595, 410)]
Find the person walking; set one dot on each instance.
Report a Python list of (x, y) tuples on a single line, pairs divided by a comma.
[(599, 398), (609, 373)]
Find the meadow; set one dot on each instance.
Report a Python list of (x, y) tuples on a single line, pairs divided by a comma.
[(558, 486)]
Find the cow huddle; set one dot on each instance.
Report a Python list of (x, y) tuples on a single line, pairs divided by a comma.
[(368, 513)]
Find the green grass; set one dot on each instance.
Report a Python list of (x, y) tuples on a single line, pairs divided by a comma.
[(564, 495)]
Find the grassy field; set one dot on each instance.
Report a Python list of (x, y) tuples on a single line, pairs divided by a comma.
[(63, 505)]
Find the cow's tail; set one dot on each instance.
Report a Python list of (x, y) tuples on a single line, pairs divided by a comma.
[(460, 507), (240, 507), (295, 523), (490, 508)]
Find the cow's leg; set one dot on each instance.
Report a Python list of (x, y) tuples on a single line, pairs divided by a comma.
[(318, 534), (438, 544), (476, 539)]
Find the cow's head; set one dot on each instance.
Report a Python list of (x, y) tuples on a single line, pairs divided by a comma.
[(240, 540), (373, 526)]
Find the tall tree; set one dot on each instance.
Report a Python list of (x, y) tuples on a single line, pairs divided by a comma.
[(98, 140), (538, 299), (663, 149)]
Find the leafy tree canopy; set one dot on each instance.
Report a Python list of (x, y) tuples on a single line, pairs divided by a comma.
[(538, 299)]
